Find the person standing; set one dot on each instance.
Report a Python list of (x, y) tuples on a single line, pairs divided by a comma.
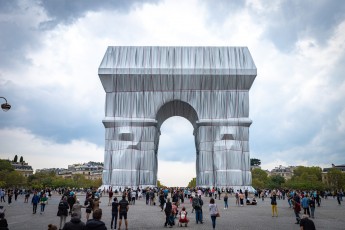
[(43, 202), (123, 210), (114, 213), (226, 201), (312, 206), (110, 196), (241, 197), (75, 223), (34, 201), (213, 209), (305, 204), (63, 211), (9, 197), (96, 223), (88, 204), (76, 208), (3, 221), (306, 223), (2, 195), (339, 196), (274, 203)]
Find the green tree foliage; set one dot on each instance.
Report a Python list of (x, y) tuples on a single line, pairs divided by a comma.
[(306, 178), (21, 160), (15, 158), (160, 185), (259, 178), (255, 162), (5, 165), (275, 181), (192, 183), (336, 179)]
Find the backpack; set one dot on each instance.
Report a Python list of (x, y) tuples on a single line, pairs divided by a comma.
[(196, 203)]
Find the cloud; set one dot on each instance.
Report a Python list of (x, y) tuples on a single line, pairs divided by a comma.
[(41, 152), (50, 53)]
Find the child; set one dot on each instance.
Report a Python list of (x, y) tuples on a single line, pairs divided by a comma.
[(183, 217)]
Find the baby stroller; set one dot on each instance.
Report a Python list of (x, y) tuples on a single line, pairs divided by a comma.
[(183, 217)]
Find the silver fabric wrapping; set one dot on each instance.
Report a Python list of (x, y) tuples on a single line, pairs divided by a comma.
[(209, 86)]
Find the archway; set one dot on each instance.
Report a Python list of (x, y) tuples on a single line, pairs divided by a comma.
[(209, 86), (176, 152)]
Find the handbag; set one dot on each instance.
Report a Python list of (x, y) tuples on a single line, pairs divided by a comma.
[(217, 215)]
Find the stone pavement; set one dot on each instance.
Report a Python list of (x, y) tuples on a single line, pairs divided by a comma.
[(329, 216)]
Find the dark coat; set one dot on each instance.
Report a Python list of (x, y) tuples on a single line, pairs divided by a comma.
[(74, 224), (95, 225), (63, 208)]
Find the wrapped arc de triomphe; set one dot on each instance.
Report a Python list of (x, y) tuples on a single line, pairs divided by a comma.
[(209, 86)]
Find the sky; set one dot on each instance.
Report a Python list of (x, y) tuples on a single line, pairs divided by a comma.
[(50, 52)]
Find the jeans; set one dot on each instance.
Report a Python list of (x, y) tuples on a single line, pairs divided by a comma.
[(298, 219), (34, 208), (62, 221), (198, 215), (226, 204), (312, 210), (213, 218), (42, 207), (113, 217)]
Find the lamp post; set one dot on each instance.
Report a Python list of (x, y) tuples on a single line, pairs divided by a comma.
[(5, 106)]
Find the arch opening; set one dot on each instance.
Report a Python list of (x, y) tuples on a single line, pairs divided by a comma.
[(176, 152)]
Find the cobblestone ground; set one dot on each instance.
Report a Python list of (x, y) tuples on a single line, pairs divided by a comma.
[(141, 216)]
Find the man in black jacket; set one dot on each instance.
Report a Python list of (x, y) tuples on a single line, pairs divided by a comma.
[(96, 223), (75, 223)]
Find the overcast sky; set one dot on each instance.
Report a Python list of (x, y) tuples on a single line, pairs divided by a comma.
[(50, 52)]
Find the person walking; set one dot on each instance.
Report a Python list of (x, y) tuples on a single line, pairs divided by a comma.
[(34, 201), (197, 208), (114, 213), (312, 206), (75, 223), (213, 209), (43, 202), (63, 211), (123, 210), (297, 209), (168, 212), (274, 203), (226, 206), (95, 223)]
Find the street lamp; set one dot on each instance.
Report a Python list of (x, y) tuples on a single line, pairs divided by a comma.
[(5, 107)]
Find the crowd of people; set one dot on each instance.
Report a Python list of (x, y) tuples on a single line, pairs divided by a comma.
[(171, 201)]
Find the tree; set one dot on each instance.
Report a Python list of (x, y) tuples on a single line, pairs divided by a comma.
[(255, 162), (336, 179), (259, 178), (192, 183), (306, 178), (15, 158), (21, 160), (275, 181), (5, 165), (159, 184)]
